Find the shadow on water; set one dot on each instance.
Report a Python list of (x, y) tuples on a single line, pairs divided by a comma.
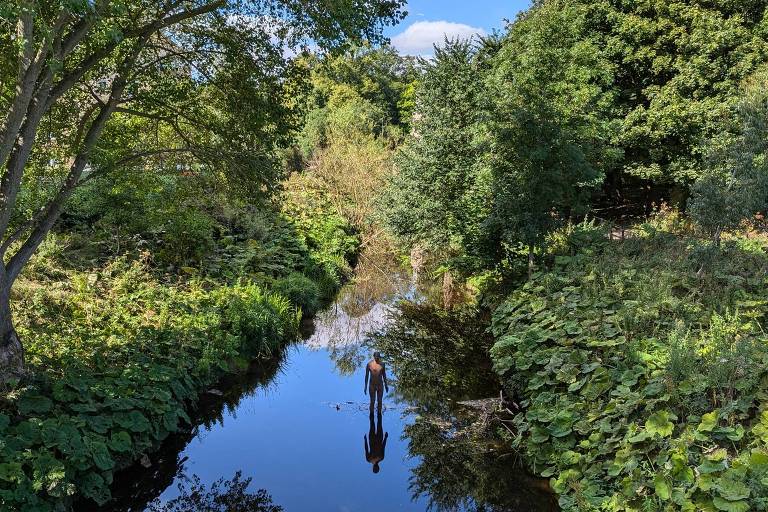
[(441, 453)]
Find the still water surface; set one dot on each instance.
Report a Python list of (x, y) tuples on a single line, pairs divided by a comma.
[(298, 430), (294, 442)]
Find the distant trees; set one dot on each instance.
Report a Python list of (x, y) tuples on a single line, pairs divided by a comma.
[(439, 197), (734, 184), (358, 91), (509, 139), (93, 88), (355, 114), (575, 100)]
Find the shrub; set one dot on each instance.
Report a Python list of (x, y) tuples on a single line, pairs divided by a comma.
[(116, 371), (300, 290)]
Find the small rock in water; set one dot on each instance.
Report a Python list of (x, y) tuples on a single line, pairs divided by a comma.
[(145, 461), (215, 392), (338, 407)]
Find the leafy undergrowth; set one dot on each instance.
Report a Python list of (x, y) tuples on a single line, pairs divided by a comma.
[(115, 372), (644, 381), (120, 351)]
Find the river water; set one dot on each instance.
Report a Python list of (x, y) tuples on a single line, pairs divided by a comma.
[(299, 430)]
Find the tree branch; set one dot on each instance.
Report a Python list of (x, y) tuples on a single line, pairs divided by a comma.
[(52, 212), (129, 158), (39, 95), (30, 67)]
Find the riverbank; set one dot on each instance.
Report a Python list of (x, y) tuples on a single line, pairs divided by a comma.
[(303, 424), (642, 370), (120, 350)]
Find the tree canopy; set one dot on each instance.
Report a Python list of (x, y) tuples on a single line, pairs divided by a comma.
[(191, 86)]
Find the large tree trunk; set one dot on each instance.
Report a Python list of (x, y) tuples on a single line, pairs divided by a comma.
[(11, 349)]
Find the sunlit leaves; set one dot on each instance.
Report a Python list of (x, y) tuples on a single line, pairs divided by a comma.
[(598, 380), (659, 423)]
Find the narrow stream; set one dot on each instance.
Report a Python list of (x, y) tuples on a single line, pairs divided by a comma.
[(299, 429)]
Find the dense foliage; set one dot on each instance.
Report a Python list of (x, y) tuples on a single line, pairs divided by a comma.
[(643, 394), (198, 88), (442, 150), (201, 201), (734, 183), (132, 346)]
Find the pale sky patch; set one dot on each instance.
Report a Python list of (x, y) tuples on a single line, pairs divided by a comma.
[(420, 37)]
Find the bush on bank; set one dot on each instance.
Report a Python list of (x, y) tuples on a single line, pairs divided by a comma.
[(642, 367)]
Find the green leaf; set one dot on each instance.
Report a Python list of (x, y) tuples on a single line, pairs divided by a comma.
[(33, 404), (708, 421), (100, 423), (731, 487), (730, 506), (11, 472), (570, 458), (659, 423), (100, 455), (758, 458), (662, 487), (539, 435), (120, 441), (640, 437), (562, 424), (134, 421), (709, 466), (93, 486)]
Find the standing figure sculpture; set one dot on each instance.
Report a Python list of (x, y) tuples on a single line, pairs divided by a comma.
[(378, 380)]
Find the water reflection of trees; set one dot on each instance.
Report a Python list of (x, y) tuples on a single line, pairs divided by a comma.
[(137, 486), (223, 496), (360, 308), (440, 359), (437, 354)]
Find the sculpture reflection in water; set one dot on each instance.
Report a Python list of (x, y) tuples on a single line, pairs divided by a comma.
[(442, 368), (375, 442)]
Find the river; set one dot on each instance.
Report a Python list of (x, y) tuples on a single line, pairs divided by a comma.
[(292, 435)]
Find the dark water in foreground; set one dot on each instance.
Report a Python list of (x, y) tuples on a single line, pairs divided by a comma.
[(297, 429)]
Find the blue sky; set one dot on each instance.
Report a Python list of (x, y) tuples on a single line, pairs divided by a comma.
[(429, 21)]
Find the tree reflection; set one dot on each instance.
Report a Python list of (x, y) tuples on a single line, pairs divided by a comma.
[(360, 308), (440, 358), (223, 496), (437, 355), (142, 482), (462, 468)]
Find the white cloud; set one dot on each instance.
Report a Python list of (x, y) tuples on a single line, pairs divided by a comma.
[(419, 38)]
